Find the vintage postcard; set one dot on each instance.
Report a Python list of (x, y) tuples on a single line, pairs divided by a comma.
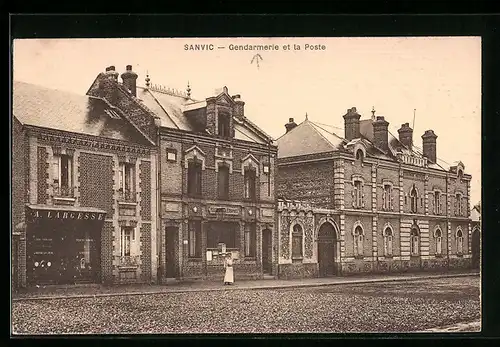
[(246, 185)]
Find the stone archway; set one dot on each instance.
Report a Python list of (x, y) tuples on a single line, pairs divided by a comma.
[(327, 250)]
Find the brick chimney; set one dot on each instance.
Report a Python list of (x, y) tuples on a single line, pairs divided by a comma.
[(129, 78), (107, 85), (290, 125), (429, 145), (351, 124), (111, 72), (239, 109), (406, 135), (380, 133)]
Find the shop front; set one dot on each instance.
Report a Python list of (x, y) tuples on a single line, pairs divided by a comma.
[(63, 244)]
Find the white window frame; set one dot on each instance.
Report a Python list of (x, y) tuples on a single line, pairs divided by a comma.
[(358, 240), (358, 201), (127, 172), (438, 238), (123, 241), (388, 241), (414, 243), (387, 197), (460, 241), (437, 207), (413, 198), (57, 170)]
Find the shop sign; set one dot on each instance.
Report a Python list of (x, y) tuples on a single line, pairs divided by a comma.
[(50, 214)]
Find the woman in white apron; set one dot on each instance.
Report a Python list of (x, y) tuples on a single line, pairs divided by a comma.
[(228, 265)]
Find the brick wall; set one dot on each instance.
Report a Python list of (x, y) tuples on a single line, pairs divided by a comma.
[(42, 175), (366, 222), (171, 171), (364, 170), (311, 182), (145, 240), (96, 181), (107, 252), (145, 184), (18, 187)]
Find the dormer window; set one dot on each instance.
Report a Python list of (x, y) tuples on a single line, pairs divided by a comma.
[(223, 125), (359, 155)]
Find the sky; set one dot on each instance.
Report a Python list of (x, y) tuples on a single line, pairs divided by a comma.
[(438, 77)]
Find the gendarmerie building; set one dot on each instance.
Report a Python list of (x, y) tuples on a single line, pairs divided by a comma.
[(216, 179), (83, 188), (368, 201)]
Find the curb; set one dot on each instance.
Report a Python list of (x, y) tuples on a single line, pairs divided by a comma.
[(261, 287)]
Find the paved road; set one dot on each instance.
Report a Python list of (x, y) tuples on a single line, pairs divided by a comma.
[(372, 307)]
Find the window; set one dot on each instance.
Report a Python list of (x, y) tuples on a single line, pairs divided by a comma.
[(222, 232), (126, 238), (223, 125), (387, 198), (63, 175), (460, 242), (458, 204), (297, 235), (414, 242), (171, 154), (127, 181), (388, 242), (194, 178), (357, 194), (437, 202), (250, 236), (439, 241), (359, 155), (194, 239), (413, 200), (358, 241), (223, 182), (250, 184)]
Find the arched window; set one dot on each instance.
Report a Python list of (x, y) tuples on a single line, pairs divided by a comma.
[(438, 238), (388, 242), (413, 199), (358, 241), (460, 242), (414, 242), (437, 202), (359, 155), (297, 235)]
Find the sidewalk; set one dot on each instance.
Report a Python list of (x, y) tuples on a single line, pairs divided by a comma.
[(59, 292)]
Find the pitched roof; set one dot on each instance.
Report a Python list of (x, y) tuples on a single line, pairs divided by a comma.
[(308, 138), (56, 109)]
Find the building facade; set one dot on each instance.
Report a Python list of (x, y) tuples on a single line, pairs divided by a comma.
[(374, 202), (82, 186), (216, 178)]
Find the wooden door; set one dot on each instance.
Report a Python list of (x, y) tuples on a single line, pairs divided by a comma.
[(170, 254)]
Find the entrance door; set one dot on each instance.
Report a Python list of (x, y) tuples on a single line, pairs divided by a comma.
[(326, 250), (170, 254), (266, 251), (475, 248)]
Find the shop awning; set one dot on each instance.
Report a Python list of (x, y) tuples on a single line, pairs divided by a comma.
[(55, 212)]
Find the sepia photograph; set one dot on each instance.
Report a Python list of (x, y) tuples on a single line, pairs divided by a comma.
[(262, 185)]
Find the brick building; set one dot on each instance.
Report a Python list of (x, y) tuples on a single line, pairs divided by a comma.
[(83, 188), (368, 201), (216, 178), (475, 217)]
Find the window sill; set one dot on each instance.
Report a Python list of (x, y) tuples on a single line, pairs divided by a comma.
[(195, 259), (438, 255), (250, 258), (460, 255), (389, 256), (414, 256), (195, 196), (358, 257)]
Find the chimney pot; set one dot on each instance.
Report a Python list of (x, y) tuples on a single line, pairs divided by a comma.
[(112, 68), (290, 120), (406, 135), (129, 67), (130, 80), (290, 125)]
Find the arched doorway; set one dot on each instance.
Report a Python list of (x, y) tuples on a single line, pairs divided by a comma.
[(476, 248), (327, 241)]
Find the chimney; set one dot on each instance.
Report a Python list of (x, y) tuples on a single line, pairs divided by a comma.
[(380, 133), (406, 135), (429, 145), (239, 109), (129, 78), (351, 124), (110, 71), (290, 125)]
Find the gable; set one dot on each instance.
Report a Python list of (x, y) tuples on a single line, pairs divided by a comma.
[(224, 99)]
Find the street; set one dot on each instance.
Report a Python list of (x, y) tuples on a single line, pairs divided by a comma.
[(376, 307)]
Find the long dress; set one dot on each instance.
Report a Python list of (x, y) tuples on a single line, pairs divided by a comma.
[(229, 276)]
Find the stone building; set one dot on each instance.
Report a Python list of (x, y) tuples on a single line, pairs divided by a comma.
[(83, 188), (216, 178), (368, 201)]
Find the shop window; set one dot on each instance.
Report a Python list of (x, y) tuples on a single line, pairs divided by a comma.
[(223, 182), (63, 176), (250, 240), (222, 233), (414, 242), (127, 181), (194, 178), (249, 178), (297, 236), (223, 125), (358, 241), (194, 239), (388, 242), (438, 238)]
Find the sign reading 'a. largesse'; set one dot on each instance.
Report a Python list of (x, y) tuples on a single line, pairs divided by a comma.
[(53, 214)]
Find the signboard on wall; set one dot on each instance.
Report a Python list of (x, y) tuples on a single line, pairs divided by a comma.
[(34, 213)]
